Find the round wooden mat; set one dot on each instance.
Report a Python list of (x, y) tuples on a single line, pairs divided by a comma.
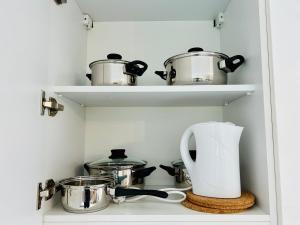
[(192, 206), (246, 200)]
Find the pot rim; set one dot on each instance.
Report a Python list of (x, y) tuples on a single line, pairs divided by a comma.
[(103, 182), (198, 53), (116, 167), (178, 164), (102, 61)]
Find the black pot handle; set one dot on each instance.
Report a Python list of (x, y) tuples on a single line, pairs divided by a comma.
[(169, 169), (119, 192), (114, 56), (172, 73), (136, 68), (196, 49), (87, 198), (88, 75), (141, 173), (162, 74), (86, 167), (231, 64)]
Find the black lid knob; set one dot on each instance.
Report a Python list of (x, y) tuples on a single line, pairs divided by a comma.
[(118, 154), (114, 56), (196, 49)]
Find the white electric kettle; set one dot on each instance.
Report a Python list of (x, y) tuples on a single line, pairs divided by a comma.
[(216, 170)]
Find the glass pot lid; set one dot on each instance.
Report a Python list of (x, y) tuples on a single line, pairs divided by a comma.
[(117, 159)]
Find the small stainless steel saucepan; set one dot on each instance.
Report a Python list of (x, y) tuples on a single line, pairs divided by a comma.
[(115, 71), (179, 172), (128, 172), (90, 194)]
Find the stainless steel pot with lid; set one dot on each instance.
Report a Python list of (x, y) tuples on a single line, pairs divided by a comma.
[(115, 71), (199, 67), (128, 172), (179, 171), (90, 194)]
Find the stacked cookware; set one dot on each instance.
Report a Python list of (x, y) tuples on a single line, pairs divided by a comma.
[(116, 178)]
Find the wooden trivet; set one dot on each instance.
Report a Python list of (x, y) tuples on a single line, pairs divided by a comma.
[(246, 200), (192, 206)]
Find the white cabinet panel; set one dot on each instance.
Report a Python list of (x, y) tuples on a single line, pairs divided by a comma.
[(284, 36), (35, 148)]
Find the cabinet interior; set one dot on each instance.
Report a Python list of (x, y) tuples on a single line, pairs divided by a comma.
[(153, 133)]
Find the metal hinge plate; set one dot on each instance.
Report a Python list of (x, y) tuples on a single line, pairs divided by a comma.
[(51, 105), (88, 21), (219, 21), (45, 193)]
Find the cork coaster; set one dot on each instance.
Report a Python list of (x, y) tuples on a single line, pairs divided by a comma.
[(246, 200), (192, 206)]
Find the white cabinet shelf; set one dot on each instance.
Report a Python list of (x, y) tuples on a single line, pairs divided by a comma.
[(201, 95), (151, 211)]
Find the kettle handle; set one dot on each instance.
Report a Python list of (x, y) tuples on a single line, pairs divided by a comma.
[(184, 149)]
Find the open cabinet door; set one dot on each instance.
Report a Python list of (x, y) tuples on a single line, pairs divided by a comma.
[(284, 38), (37, 49)]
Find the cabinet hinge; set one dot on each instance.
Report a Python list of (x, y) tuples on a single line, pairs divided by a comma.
[(219, 21), (51, 105), (88, 21), (45, 193)]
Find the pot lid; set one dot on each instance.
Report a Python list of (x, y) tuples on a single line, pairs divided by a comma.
[(117, 159), (179, 163), (111, 58), (195, 52)]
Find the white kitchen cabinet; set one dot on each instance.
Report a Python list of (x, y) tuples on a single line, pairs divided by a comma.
[(146, 120)]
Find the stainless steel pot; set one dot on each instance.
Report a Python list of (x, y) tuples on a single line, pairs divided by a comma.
[(90, 194), (115, 71), (179, 172), (127, 172), (199, 67)]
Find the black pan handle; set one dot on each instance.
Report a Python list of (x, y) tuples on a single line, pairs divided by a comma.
[(196, 49), (88, 75), (162, 74), (132, 192), (86, 167), (144, 172), (231, 64), (136, 68), (114, 56), (169, 169)]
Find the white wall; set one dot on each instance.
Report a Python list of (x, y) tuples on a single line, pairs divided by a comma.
[(152, 42), (35, 148), (149, 133), (285, 36)]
